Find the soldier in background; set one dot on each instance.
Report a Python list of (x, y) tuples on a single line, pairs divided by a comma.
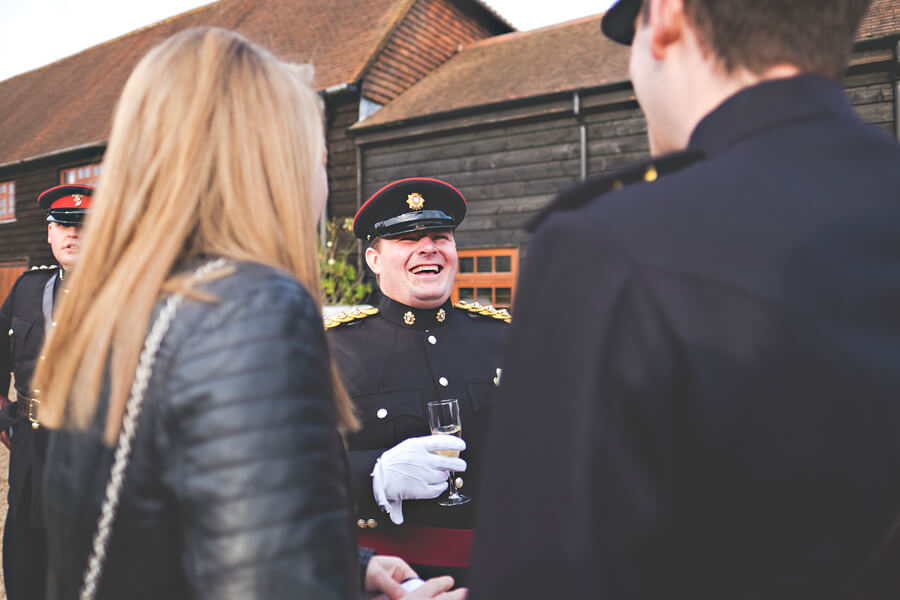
[(718, 417), (413, 348), (25, 316)]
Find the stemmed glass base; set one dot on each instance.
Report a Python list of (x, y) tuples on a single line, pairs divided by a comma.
[(453, 498)]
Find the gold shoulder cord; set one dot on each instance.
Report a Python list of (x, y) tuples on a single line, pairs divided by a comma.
[(348, 317), (484, 311)]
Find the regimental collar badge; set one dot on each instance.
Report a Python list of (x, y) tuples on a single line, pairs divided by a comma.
[(415, 201), (77, 198), (409, 318), (441, 315)]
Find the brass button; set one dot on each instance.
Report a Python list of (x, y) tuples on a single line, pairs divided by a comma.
[(372, 523), (361, 523), (382, 413), (651, 174), (432, 340), (458, 482), (443, 381), (11, 332)]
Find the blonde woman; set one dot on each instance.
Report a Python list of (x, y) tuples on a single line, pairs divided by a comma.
[(236, 485)]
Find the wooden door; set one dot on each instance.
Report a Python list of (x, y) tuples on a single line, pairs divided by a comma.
[(9, 272)]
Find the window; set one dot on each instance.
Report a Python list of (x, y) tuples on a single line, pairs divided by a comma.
[(85, 174), (487, 276), (7, 201)]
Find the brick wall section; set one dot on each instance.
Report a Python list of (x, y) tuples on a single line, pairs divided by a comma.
[(431, 32)]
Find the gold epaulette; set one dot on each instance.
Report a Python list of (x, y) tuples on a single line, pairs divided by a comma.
[(348, 317), (485, 311), (38, 268)]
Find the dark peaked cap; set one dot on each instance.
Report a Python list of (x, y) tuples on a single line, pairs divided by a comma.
[(407, 205), (618, 22)]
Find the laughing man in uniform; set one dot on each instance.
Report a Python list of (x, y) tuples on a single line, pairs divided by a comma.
[(413, 348)]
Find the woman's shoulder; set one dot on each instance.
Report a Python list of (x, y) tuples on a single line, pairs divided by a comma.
[(249, 277), (248, 294)]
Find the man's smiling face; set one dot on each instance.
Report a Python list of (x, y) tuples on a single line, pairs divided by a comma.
[(417, 269)]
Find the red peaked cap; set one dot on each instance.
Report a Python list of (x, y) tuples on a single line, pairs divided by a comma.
[(407, 205), (66, 204)]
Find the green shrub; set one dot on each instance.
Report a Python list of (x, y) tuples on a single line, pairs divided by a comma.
[(342, 281)]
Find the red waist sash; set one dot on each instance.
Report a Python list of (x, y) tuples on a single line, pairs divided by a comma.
[(434, 546)]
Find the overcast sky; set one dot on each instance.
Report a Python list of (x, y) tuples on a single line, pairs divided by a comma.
[(34, 33)]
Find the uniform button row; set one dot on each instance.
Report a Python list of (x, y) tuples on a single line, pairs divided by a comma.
[(432, 340), (371, 523), (382, 413)]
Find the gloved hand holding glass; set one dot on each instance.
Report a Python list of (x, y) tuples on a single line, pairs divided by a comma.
[(415, 469)]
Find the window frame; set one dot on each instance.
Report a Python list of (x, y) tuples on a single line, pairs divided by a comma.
[(8, 196), (92, 177), (488, 279)]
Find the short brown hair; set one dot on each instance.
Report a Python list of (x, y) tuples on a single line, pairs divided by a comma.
[(814, 35)]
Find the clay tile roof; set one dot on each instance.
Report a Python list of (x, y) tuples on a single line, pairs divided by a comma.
[(69, 103), (565, 57), (518, 65), (883, 19)]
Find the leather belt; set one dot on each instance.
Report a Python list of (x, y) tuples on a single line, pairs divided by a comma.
[(28, 408), (435, 546)]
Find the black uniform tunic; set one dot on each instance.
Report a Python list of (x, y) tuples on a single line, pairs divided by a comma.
[(22, 321), (725, 395), (396, 361)]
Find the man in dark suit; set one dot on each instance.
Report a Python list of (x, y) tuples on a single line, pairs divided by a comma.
[(720, 416), (416, 347), (25, 316)]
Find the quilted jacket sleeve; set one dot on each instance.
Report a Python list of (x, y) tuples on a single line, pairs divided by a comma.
[(254, 460)]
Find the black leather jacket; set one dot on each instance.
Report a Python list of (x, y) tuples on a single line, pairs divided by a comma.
[(237, 485)]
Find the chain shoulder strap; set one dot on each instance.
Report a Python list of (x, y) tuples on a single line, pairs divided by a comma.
[(133, 408)]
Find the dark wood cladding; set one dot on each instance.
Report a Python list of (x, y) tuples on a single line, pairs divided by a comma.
[(509, 161), (428, 35), (873, 96), (342, 112)]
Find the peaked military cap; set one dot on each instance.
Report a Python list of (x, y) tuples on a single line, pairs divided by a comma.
[(618, 22), (66, 204), (406, 205)]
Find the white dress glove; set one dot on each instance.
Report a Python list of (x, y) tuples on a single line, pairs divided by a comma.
[(411, 471)]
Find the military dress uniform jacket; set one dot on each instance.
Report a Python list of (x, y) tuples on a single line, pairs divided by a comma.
[(394, 362), (725, 416), (22, 320)]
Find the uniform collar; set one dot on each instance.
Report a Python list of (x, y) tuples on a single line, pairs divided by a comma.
[(419, 319), (766, 105)]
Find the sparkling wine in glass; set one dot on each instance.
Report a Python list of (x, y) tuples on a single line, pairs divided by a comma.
[(443, 419)]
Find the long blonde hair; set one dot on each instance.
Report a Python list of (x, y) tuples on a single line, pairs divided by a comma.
[(214, 150)]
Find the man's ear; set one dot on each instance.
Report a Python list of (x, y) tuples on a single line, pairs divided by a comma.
[(667, 22), (373, 259)]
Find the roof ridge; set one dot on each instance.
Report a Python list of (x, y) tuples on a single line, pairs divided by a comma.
[(119, 37), (498, 39)]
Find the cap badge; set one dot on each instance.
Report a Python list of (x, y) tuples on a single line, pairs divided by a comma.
[(77, 198), (415, 201), (441, 315), (409, 318)]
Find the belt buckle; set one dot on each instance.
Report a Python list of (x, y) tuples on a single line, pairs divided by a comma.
[(33, 405)]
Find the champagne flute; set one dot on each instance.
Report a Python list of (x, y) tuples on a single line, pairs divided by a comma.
[(443, 419)]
